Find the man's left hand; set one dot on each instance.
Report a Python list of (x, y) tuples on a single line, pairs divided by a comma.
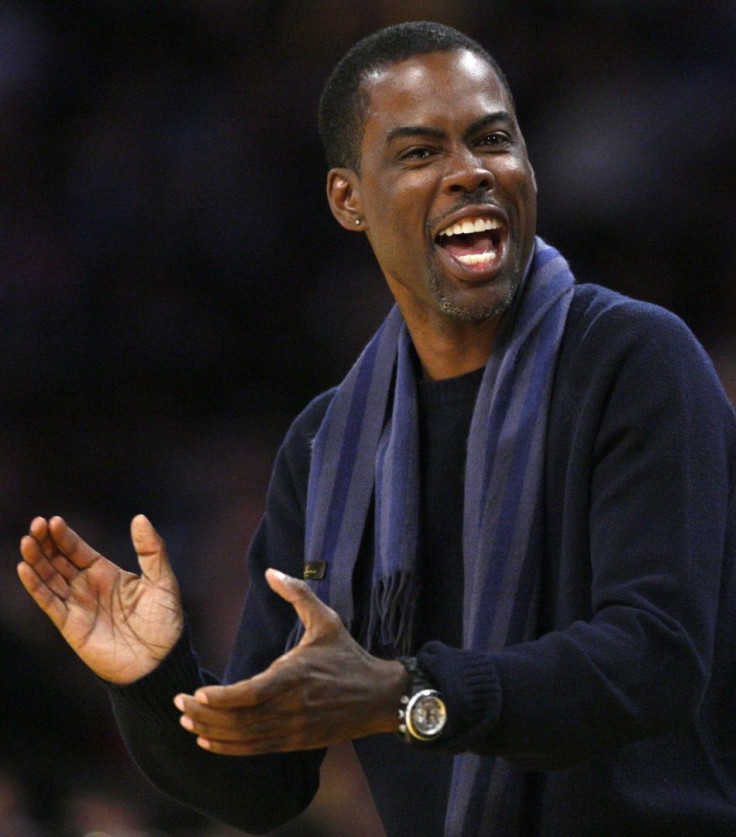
[(324, 691)]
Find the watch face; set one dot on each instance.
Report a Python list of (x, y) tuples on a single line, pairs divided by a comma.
[(427, 714)]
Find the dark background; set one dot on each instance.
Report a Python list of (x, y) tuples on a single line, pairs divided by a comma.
[(173, 289)]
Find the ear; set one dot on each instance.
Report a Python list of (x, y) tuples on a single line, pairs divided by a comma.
[(343, 195)]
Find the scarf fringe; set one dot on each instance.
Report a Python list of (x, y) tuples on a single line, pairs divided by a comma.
[(393, 604)]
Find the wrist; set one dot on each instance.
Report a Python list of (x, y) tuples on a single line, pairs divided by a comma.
[(394, 681), (422, 711)]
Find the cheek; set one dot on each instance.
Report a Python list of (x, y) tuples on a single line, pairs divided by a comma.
[(520, 185), (395, 210), (529, 200), (394, 222), (527, 181), (400, 253)]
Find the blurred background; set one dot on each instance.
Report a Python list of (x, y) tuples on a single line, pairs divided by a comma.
[(173, 290)]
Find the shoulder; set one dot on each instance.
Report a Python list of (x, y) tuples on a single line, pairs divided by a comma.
[(294, 456), (600, 313), (279, 540), (304, 428), (626, 364), (608, 335)]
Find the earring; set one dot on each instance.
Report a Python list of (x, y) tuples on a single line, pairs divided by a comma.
[(357, 222)]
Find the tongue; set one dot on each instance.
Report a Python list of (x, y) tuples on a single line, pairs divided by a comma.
[(467, 245)]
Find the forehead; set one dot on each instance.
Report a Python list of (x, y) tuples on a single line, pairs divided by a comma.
[(437, 88)]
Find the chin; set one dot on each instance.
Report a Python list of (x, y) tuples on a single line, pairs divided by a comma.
[(495, 303)]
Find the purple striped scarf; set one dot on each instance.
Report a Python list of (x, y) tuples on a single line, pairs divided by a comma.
[(367, 450)]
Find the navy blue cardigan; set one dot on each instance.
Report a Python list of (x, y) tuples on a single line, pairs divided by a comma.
[(624, 709)]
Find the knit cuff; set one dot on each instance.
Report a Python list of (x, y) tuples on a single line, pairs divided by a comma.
[(154, 693), (470, 687)]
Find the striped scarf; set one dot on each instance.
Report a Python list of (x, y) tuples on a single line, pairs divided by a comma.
[(367, 450)]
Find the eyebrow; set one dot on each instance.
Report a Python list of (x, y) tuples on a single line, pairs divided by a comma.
[(415, 131), (408, 131), (489, 119)]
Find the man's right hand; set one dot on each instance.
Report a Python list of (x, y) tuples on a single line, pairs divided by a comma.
[(121, 625)]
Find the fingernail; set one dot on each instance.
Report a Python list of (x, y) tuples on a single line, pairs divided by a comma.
[(201, 697), (186, 722), (179, 702), (279, 574)]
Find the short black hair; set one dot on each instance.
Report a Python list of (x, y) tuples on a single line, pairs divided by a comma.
[(343, 102)]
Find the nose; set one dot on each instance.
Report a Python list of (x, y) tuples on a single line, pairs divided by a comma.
[(468, 172)]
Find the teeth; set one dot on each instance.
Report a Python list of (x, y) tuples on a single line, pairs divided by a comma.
[(471, 225), (477, 258)]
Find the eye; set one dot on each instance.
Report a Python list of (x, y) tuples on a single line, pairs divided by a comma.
[(496, 139), (417, 152)]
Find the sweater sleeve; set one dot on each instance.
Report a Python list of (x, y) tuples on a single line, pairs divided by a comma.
[(256, 794), (640, 481)]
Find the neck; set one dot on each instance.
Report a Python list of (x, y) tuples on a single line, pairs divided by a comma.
[(453, 348)]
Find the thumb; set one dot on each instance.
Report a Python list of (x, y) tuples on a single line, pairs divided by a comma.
[(314, 614), (151, 550)]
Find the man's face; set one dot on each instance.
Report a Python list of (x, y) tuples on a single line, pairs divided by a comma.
[(446, 190)]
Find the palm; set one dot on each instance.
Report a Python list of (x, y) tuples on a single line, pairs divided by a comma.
[(119, 621), (120, 624)]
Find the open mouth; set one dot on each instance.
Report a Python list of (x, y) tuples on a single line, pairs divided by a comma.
[(473, 241)]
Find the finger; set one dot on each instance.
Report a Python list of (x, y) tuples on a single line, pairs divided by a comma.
[(48, 599), (229, 723), (236, 748), (31, 544), (268, 737), (39, 534), (243, 694), (151, 550), (314, 614), (56, 573), (39, 553), (242, 733), (225, 725), (39, 529), (63, 541), (220, 731), (255, 746)]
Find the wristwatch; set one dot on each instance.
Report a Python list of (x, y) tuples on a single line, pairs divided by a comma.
[(423, 714)]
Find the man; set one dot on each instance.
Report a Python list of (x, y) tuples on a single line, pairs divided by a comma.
[(518, 507)]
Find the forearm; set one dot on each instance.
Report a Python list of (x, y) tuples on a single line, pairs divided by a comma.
[(255, 794), (572, 694)]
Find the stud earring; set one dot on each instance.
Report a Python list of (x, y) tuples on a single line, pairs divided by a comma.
[(357, 222)]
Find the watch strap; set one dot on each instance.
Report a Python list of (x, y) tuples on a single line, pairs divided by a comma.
[(417, 676)]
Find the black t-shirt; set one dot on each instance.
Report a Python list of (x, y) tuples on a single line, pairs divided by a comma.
[(445, 412)]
